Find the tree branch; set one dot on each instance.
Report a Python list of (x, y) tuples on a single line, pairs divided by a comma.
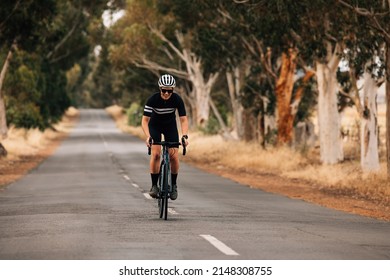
[(371, 15), (67, 36), (10, 14), (151, 65), (160, 35)]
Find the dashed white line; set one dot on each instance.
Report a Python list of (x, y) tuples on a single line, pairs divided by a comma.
[(148, 196), (219, 245), (127, 178), (172, 211)]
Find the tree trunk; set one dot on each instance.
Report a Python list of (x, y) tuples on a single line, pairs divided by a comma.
[(284, 89), (331, 149), (225, 130), (201, 93), (388, 106), (369, 126), (201, 86), (234, 86), (3, 118)]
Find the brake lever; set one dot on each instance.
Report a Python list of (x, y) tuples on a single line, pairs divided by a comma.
[(150, 145), (183, 143)]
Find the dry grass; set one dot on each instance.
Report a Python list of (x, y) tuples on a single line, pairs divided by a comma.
[(26, 142), (27, 148), (244, 156), (342, 180), (119, 115)]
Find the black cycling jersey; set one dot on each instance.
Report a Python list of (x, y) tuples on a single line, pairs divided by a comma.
[(163, 112)]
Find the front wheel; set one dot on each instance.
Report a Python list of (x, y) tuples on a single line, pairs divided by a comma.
[(161, 204), (163, 197)]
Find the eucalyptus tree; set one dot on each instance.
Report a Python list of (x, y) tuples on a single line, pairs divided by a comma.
[(270, 38), (320, 36), (148, 36), (376, 15), (258, 36), (364, 54), (313, 35), (49, 37), (21, 25), (215, 38)]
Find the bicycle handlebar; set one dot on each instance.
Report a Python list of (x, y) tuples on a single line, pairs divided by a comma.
[(169, 145)]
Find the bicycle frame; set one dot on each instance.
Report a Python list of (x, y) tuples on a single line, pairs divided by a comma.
[(165, 185)]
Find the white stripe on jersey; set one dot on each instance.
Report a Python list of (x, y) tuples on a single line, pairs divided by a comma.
[(149, 109), (164, 111)]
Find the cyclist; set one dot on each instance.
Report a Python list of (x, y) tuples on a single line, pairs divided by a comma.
[(159, 118)]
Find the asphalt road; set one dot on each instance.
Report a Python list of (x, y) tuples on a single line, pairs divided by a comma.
[(89, 201)]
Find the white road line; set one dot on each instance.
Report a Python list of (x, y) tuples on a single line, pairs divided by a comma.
[(127, 178), (172, 211), (219, 245), (134, 185), (148, 196), (104, 140)]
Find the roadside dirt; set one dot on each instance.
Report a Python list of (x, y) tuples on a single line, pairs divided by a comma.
[(300, 189), (12, 170)]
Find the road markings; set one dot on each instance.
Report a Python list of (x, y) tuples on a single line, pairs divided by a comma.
[(172, 211), (135, 186), (219, 245), (148, 196), (127, 178)]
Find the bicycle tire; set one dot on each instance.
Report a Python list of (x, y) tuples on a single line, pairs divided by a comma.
[(165, 172), (161, 204), (160, 200)]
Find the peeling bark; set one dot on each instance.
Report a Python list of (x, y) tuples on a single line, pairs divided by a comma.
[(369, 126), (284, 90), (194, 73), (388, 106), (331, 149), (3, 117), (234, 86)]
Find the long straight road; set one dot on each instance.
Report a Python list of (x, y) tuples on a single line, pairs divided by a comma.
[(89, 201)]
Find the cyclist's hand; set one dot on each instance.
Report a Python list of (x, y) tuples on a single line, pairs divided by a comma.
[(184, 140), (149, 141)]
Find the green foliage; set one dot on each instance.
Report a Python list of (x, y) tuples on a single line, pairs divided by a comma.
[(308, 104), (54, 99), (212, 127), (24, 115), (23, 91), (134, 114), (27, 22), (51, 36)]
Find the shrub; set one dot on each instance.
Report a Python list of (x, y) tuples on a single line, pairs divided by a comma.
[(134, 114)]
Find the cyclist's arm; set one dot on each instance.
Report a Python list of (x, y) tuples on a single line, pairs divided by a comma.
[(145, 127), (184, 126)]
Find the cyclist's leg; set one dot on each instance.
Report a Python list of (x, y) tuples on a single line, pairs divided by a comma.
[(154, 163), (172, 135), (155, 133)]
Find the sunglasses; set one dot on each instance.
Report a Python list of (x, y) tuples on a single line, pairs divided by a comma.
[(166, 90)]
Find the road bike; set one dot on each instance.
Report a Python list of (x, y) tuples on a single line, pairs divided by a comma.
[(164, 182)]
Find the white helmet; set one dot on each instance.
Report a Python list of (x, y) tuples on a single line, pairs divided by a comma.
[(167, 81)]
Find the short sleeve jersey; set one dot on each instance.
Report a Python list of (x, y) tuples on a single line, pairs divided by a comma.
[(163, 112)]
